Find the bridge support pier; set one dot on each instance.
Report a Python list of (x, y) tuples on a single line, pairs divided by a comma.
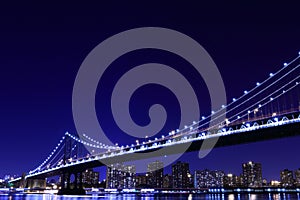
[(77, 186)]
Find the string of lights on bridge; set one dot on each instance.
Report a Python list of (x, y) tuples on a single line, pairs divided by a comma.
[(49, 156), (196, 125), (99, 146), (247, 111), (234, 100)]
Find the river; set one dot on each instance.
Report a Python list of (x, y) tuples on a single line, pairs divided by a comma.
[(154, 196)]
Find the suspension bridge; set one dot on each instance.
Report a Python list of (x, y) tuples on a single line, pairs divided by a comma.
[(270, 110)]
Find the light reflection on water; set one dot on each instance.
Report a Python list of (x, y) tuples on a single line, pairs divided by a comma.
[(154, 197)]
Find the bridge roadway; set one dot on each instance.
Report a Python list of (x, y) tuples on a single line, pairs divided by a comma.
[(264, 129)]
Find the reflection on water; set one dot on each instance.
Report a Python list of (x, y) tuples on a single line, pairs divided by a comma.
[(154, 196)]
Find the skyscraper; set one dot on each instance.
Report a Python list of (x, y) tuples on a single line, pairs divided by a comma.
[(141, 180), (231, 180), (129, 176), (114, 176), (167, 181), (90, 178), (181, 175), (297, 177), (207, 179), (252, 174), (120, 176), (155, 172), (286, 178)]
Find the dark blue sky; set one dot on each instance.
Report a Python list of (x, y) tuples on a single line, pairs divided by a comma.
[(43, 45)]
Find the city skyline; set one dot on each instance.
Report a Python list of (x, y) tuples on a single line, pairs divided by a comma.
[(122, 176), (41, 57)]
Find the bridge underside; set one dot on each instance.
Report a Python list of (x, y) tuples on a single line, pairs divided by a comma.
[(282, 131)]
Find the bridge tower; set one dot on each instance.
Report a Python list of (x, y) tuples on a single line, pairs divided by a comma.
[(67, 173)]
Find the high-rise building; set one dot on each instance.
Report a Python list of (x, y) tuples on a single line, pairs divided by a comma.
[(181, 175), (207, 179), (231, 180), (297, 177), (167, 181), (155, 172), (114, 176), (129, 176), (286, 178), (252, 174), (120, 176), (90, 178), (141, 181)]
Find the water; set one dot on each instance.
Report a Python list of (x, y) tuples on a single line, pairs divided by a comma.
[(153, 196)]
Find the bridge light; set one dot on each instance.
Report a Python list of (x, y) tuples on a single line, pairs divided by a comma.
[(223, 106), (257, 84), (285, 64), (271, 74), (245, 92), (271, 99), (162, 136), (191, 128), (194, 122), (249, 111), (233, 99), (227, 121), (259, 105), (185, 126), (203, 117), (238, 117), (212, 112)]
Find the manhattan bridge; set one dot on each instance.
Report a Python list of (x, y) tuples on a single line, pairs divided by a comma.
[(270, 110)]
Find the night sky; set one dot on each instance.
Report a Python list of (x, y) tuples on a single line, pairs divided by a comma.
[(43, 45)]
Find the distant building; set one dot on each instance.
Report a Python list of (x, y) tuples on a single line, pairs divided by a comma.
[(114, 176), (181, 175), (167, 183), (155, 173), (90, 178), (297, 177), (286, 178), (207, 179), (274, 183), (129, 176), (231, 180), (141, 181), (252, 174), (120, 176)]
